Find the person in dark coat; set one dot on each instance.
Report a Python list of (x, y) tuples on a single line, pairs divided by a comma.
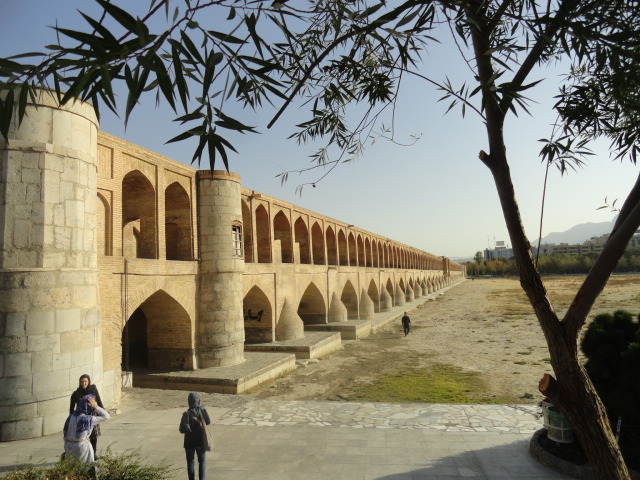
[(85, 388), (406, 324), (192, 425)]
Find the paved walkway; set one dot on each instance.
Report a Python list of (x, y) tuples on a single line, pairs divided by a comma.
[(299, 440)]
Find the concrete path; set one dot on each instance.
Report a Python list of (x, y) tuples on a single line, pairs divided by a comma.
[(299, 440)]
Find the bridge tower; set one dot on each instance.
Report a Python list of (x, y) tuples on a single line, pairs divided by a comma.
[(50, 330), (220, 330)]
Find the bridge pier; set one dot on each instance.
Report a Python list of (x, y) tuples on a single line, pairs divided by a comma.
[(220, 339)]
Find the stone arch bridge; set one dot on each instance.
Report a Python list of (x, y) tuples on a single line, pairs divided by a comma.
[(115, 258)]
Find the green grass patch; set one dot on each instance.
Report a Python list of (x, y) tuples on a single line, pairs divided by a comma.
[(439, 383), (524, 353), (520, 363)]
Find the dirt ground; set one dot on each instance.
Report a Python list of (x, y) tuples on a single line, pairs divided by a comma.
[(483, 325)]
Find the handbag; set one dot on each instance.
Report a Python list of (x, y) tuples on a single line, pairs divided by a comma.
[(207, 436)]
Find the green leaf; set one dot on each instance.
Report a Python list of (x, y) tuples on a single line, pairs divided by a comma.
[(6, 112), (191, 47), (225, 37), (119, 15)]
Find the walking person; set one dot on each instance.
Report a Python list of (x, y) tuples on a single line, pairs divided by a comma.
[(78, 426), (406, 324), (192, 425), (86, 388)]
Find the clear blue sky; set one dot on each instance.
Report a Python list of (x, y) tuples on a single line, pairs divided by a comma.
[(435, 195)]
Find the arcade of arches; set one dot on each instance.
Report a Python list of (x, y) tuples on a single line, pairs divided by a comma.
[(153, 251)]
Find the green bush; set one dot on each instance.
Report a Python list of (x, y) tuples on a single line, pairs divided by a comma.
[(110, 466), (611, 344)]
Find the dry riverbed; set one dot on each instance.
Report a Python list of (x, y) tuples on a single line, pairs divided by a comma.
[(483, 327)]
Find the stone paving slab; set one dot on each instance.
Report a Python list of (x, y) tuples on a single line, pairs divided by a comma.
[(287, 440)]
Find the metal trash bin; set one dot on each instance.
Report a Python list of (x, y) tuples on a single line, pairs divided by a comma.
[(558, 428)]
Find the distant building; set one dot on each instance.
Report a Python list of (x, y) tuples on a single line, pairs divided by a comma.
[(499, 251), (593, 245)]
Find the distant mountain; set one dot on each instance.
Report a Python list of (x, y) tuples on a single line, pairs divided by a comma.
[(578, 233)]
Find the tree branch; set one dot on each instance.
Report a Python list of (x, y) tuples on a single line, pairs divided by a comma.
[(367, 29), (537, 50)]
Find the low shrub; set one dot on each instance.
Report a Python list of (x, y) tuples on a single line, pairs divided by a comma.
[(110, 466)]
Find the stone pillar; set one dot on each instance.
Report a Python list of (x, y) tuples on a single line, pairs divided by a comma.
[(337, 310), (386, 303), (49, 307), (409, 294), (399, 296), (220, 323), (367, 308), (290, 325)]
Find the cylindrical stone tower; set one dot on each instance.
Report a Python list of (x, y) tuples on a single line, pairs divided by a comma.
[(49, 310), (220, 331)]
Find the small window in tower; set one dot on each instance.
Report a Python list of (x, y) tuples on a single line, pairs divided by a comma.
[(237, 240)]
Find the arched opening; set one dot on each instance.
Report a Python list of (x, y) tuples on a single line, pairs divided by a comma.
[(361, 259), (349, 298), (353, 254), (178, 233), (262, 235), (317, 242), (376, 254), (258, 317), (104, 238), (302, 240), (375, 295), (282, 234), (332, 247), (367, 253), (390, 290), (138, 216), (342, 248), (158, 336), (312, 308), (247, 238)]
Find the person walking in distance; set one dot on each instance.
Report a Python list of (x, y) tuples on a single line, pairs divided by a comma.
[(406, 324), (192, 426)]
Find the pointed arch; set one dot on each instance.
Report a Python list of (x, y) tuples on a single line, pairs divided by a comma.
[(258, 316), (332, 247), (312, 308), (349, 298), (361, 254), (376, 254), (104, 239), (158, 335), (177, 226), (302, 240), (263, 235), (282, 234), (317, 244), (139, 225), (390, 290), (343, 249), (374, 293), (367, 253), (353, 254)]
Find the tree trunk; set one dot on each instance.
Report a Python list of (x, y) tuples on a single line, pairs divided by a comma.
[(574, 395)]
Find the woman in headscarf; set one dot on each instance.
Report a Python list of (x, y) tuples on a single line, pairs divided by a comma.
[(78, 427), (192, 425), (85, 388)]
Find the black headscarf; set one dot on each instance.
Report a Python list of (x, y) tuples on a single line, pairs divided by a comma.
[(81, 392), (194, 404)]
